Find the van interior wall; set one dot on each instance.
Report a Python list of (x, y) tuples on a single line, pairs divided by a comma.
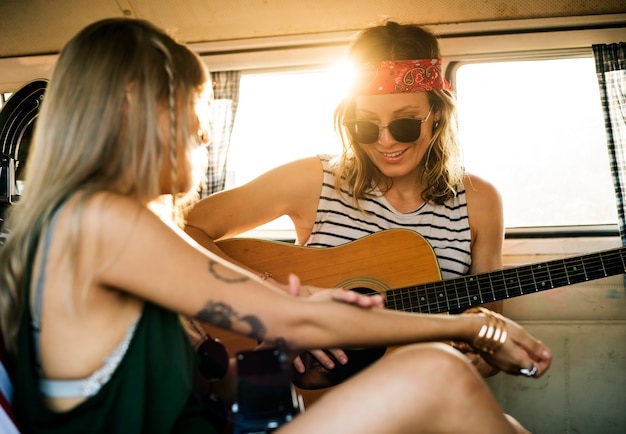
[(585, 324), (33, 32), (43, 27)]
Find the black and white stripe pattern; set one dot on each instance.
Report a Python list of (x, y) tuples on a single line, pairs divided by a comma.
[(446, 227)]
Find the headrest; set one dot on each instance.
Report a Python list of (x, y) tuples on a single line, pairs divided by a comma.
[(17, 122)]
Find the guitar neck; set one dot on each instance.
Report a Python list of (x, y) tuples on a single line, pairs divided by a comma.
[(461, 293)]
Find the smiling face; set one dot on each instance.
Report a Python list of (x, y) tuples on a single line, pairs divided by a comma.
[(396, 159)]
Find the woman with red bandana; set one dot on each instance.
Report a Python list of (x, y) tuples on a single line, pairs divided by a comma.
[(400, 168)]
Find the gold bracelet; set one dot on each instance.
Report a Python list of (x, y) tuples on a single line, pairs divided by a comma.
[(493, 333)]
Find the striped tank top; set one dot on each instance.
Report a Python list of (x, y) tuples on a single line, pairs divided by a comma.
[(446, 227)]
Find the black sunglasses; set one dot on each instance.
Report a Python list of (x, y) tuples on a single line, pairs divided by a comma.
[(401, 129)]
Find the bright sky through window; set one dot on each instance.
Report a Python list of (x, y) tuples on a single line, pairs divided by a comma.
[(281, 117), (535, 129)]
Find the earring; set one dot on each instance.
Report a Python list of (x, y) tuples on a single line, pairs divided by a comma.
[(436, 124)]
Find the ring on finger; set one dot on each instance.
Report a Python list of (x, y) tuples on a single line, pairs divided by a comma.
[(530, 372)]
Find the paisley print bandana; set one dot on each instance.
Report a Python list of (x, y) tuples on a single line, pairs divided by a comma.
[(399, 76)]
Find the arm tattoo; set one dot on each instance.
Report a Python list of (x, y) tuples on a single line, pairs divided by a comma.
[(222, 275), (257, 329), (223, 316), (218, 314)]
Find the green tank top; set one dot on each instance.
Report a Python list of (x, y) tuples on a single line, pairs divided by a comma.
[(149, 392)]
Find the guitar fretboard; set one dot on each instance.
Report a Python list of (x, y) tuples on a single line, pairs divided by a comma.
[(463, 292)]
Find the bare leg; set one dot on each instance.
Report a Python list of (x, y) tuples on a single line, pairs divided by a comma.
[(426, 388), (518, 427)]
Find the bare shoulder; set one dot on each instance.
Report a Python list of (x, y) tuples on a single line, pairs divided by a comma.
[(486, 218), (115, 208), (104, 216), (481, 192)]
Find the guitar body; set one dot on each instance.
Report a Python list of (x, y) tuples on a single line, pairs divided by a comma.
[(373, 264)]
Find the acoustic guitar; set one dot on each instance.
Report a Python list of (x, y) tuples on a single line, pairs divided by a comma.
[(401, 265)]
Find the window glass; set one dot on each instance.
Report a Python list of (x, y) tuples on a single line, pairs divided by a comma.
[(535, 129), (281, 117)]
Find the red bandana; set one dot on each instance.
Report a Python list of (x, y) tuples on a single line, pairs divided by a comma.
[(400, 76)]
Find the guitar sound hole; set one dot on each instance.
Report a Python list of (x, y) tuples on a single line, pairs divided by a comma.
[(365, 291)]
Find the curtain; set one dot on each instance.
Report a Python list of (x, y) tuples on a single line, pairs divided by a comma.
[(223, 109), (611, 71)]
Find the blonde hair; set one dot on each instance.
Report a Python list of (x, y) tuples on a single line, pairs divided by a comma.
[(442, 165), (88, 139)]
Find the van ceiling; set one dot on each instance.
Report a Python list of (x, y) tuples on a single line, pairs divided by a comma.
[(33, 27)]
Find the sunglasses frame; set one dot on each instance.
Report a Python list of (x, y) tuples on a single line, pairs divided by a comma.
[(349, 124)]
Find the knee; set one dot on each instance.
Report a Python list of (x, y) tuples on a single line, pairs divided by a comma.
[(435, 365), (434, 354)]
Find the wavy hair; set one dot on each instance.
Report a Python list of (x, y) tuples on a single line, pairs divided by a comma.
[(89, 139), (442, 165)]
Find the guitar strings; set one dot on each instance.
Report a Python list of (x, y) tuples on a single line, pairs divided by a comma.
[(463, 292)]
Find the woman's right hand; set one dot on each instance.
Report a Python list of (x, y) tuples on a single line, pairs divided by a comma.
[(329, 357)]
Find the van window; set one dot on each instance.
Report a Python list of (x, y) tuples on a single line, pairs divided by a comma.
[(533, 128), (281, 117), (536, 130)]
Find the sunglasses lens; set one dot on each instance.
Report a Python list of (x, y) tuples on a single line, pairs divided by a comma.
[(363, 131), (405, 130)]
